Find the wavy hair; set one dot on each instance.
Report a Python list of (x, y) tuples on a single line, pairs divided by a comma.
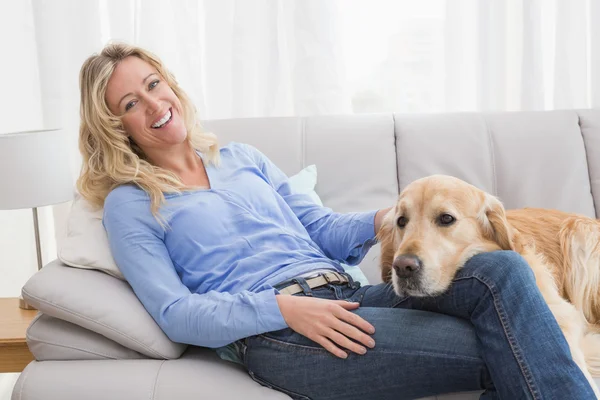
[(110, 158)]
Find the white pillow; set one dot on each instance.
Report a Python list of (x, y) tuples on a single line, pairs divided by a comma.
[(86, 243), (305, 182)]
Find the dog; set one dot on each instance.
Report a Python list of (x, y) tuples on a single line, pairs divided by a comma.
[(439, 222)]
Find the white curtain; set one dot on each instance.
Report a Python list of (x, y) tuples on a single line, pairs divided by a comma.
[(257, 58), (240, 58), (473, 55), (260, 58)]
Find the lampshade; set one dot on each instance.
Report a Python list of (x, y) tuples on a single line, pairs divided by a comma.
[(34, 169)]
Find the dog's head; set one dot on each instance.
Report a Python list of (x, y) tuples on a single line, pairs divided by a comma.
[(438, 223)]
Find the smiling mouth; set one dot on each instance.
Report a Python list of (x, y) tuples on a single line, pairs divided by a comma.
[(164, 120)]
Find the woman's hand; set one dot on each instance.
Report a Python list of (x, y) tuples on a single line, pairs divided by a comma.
[(327, 322)]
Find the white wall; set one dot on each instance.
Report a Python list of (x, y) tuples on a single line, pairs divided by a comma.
[(20, 109)]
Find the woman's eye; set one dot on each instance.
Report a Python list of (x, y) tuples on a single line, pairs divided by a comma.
[(153, 84), (129, 105), (402, 221), (446, 219)]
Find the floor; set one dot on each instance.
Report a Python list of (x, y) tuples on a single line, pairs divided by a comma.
[(7, 382)]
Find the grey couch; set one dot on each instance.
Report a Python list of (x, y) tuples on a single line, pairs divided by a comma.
[(94, 340)]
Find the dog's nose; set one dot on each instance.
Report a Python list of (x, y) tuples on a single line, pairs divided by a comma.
[(407, 265)]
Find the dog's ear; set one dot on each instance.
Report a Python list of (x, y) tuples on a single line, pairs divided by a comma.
[(495, 225), (386, 236)]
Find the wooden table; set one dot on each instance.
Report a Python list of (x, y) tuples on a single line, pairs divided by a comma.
[(14, 353)]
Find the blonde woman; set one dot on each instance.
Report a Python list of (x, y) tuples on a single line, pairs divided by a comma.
[(213, 242)]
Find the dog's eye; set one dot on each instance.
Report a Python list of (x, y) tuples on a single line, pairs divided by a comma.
[(446, 219), (402, 221)]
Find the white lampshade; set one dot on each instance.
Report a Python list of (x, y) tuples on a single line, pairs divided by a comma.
[(34, 169)]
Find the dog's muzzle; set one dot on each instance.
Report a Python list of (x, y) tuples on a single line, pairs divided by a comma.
[(407, 266), (408, 271)]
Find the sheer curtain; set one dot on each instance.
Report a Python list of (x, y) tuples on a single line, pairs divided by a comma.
[(260, 58), (240, 58), (472, 55)]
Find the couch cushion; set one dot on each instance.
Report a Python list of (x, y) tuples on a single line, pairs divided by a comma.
[(356, 158), (453, 144), (198, 375), (101, 303), (527, 159), (280, 139), (540, 161), (50, 338)]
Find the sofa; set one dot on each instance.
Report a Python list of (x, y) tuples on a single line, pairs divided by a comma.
[(92, 338)]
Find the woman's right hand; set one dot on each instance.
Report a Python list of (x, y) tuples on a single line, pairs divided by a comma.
[(327, 322)]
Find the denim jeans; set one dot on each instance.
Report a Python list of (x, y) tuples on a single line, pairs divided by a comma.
[(490, 331)]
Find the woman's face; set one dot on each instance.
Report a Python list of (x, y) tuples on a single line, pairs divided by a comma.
[(151, 113)]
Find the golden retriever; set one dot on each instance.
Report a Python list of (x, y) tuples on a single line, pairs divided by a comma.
[(439, 222)]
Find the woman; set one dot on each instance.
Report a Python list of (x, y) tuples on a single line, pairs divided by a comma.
[(213, 243)]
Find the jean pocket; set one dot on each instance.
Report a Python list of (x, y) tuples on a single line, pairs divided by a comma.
[(263, 382)]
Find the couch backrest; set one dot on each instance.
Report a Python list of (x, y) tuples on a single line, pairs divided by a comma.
[(527, 159), (535, 159)]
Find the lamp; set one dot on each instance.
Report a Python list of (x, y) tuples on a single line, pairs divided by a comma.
[(34, 172)]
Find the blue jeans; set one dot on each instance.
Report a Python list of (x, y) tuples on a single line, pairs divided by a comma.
[(490, 331)]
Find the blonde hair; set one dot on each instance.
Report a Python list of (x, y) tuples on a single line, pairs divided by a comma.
[(110, 158)]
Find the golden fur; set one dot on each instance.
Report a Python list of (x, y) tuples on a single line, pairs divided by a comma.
[(562, 249)]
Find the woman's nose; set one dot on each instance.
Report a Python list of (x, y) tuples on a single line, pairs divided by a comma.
[(152, 104)]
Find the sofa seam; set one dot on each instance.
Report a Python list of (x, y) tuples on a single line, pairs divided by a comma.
[(492, 156), (96, 322), (156, 380), (396, 155), (587, 163)]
